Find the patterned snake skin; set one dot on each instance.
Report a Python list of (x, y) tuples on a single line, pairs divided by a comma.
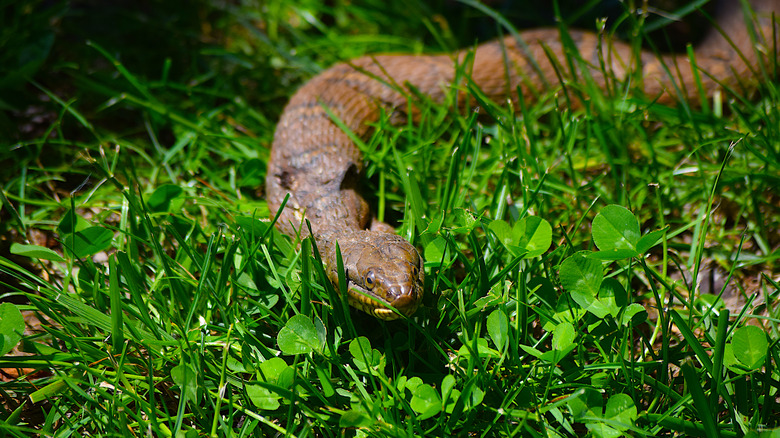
[(318, 165)]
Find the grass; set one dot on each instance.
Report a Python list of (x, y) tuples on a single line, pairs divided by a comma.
[(168, 306)]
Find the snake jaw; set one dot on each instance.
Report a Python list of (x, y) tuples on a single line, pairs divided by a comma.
[(369, 302), (405, 304)]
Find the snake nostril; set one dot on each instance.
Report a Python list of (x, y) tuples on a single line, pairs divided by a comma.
[(412, 291), (400, 291)]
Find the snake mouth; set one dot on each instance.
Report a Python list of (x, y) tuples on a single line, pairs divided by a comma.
[(373, 304)]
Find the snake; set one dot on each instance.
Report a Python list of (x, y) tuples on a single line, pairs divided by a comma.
[(315, 166)]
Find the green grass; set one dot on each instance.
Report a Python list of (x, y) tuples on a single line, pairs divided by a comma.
[(169, 307)]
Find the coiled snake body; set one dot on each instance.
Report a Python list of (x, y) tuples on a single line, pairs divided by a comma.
[(318, 164)]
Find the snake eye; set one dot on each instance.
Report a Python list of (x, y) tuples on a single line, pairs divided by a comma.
[(415, 271), (370, 280)]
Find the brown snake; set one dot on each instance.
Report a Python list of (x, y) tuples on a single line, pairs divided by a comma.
[(317, 164)]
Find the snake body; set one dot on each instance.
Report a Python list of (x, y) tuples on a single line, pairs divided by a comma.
[(319, 166)]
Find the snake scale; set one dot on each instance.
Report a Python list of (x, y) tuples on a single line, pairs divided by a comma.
[(319, 166)]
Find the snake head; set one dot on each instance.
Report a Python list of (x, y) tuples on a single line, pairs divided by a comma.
[(383, 271)]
